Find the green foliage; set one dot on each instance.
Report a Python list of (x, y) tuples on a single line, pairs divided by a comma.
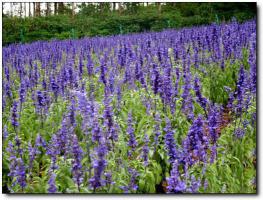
[(234, 166), (215, 79), (99, 20)]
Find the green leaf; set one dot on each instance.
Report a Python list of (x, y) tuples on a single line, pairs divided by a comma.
[(141, 184)]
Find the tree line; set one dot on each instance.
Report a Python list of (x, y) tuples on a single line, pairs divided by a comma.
[(27, 22), (36, 9)]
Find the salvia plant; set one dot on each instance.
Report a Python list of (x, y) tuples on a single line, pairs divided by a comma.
[(158, 112)]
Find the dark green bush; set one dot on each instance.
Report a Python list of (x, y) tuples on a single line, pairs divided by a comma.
[(91, 21)]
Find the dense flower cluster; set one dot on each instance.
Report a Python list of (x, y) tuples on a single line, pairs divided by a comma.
[(129, 114)]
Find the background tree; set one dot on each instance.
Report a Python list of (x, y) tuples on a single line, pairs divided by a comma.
[(73, 9), (11, 9), (29, 10), (61, 8), (38, 9), (55, 8), (33, 9), (131, 8), (159, 5), (120, 8), (114, 6), (20, 11), (25, 9), (48, 9)]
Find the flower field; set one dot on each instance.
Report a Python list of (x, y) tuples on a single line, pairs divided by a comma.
[(161, 112)]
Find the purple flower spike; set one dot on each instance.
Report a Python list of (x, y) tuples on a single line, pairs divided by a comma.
[(99, 165), (145, 150), (170, 141), (130, 130), (14, 115), (157, 130), (52, 183), (76, 163), (5, 133), (200, 99), (21, 173), (239, 133)]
